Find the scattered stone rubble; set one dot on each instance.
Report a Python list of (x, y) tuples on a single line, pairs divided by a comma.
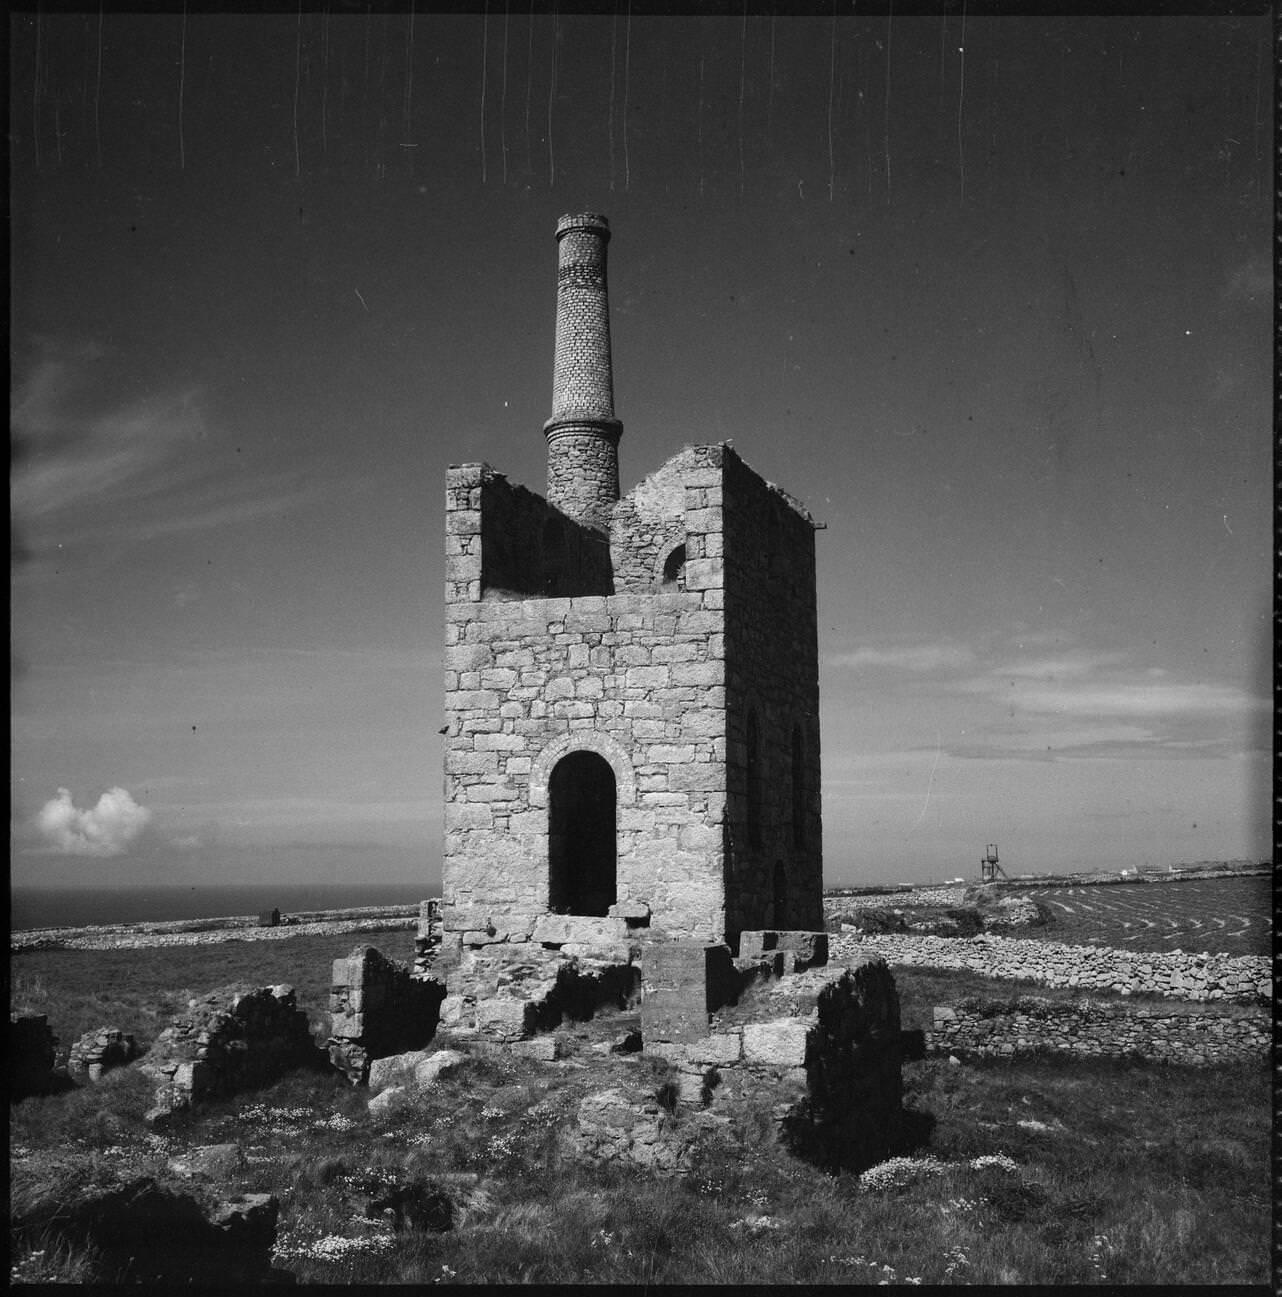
[(820, 1047), (376, 1008), (234, 1038), (1170, 973), (99, 1051), (1037, 1025)]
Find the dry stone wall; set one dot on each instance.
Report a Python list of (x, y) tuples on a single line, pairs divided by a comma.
[(1036, 1025), (1175, 974)]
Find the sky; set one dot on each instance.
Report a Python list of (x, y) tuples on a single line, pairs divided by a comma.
[(990, 294)]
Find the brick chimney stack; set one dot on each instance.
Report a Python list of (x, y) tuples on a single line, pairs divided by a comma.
[(583, 434)]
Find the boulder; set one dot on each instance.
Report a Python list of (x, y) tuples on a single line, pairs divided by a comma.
[(142, 1231)]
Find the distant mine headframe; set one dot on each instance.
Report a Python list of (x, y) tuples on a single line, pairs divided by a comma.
[(989, 869)]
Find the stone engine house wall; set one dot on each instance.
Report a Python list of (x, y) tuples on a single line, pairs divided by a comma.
[(638, 677)]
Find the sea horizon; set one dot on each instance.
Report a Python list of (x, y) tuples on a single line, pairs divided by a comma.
[(79, 907)]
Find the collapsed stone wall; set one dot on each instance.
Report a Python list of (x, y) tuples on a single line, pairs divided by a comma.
[(507, 991), (1170, 973), (377, 1007), (826, 1042), (1037, 1025), (231, 1039), (99, 1051)]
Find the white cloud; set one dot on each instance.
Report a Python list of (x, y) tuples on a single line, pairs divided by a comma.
[(105, 830)]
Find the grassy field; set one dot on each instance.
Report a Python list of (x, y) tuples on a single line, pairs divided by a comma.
[(1034, 1172)]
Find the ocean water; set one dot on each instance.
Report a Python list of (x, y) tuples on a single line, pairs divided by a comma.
[(76, 907)]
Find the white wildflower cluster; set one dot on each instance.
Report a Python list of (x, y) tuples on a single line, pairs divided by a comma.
[(446, 1275), (887, 1274), (336, 1122), (18, 1152), (332, 1247), (602, 1238), (1101, 1251), (500, 1146), (417, 1141), (158, 1144), (491, 1114), (757, 1224), (998, 1160), (957, 1261), (959, 1206), (541, 1116), (758, 1198), (900, 1171), (709, 1187)]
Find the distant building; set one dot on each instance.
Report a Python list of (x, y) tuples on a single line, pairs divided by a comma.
[(631, 681)]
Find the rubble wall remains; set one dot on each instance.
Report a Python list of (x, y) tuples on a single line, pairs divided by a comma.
[(1036, 1025), (234, 1038)]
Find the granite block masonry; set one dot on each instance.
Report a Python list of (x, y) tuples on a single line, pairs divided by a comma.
[(377, 1008), (631, 688)]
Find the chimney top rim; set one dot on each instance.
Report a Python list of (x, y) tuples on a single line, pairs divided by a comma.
[(592, 221)]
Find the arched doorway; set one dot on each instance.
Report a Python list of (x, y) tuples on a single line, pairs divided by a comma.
[(582, 854)]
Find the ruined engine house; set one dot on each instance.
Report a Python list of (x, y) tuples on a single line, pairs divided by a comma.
[(631, 681)]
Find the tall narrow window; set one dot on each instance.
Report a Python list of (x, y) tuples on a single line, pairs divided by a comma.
[(798, 789), (754, 782), (582, 854)]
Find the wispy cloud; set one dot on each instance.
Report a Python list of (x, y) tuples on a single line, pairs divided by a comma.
[(106, 829), (907, 657), (88, 471)]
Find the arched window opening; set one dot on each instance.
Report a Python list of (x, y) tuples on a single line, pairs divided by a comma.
[(754, 782), (582, 850), (798, 789), (674, 568), (780, 896)]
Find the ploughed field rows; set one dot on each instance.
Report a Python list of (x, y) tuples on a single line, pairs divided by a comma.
[(1229, 916)]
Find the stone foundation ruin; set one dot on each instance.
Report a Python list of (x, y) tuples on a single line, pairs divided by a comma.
[(231, 1039)]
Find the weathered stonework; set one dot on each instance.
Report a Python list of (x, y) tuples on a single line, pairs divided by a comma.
[(377, 1008), (97, 1052), (235, 1038)]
